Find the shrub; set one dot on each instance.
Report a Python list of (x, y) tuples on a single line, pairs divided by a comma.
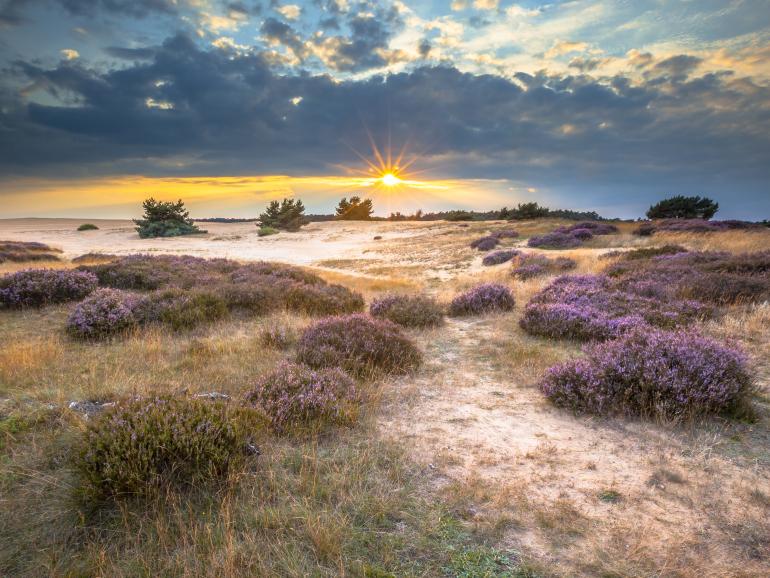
[(323, 299), (165, 219), (408, 311), (554, 240), (88, 227), (295, 395), (582, 234), (681, 207), (484, 298), (648, 252), (266, 231), (38, 287), (592, 227), (694, 226), (645, 230), (20, 252), (259, 297), (528, 266), (104, 313), (181, 309), (595, 307), (652, 373), (359, 344), (138, 446), (485, 243), (498, 257), (278, 336), (91, 257)]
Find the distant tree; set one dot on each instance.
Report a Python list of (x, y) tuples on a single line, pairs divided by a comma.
[(165, 219), (505, 213), (288, 215), (458, 216), (524, 211), (87, 227), (681, 207), (355, 209)]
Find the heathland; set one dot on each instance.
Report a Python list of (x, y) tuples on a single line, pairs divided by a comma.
[(385, 399)]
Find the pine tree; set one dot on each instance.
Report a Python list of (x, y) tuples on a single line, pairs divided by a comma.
[(355, 209)]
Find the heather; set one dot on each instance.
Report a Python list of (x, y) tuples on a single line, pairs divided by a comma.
[(498, 257), (652, 373), (485, 243), (180, 309), (104, 313), (554, 240), (21, 252), (39, 287), (591, 227), (505, 234), (408, 310), (141, 445), (694, 226), (711, 277), (296, 396), (530, 265), (484, 298), (359, 344), (594, 307)]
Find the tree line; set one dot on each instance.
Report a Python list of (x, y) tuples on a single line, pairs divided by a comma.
[(169, 219)]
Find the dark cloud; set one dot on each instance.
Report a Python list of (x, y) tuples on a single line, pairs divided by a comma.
[(424, 48), (12, 11), (130, 53), (677, 67), (232, 114)]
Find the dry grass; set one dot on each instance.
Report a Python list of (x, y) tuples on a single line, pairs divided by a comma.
[(448, 467)]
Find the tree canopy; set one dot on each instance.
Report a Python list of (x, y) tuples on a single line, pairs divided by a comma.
[(288, 215), (355, 209), (681, 207), (165, 219)]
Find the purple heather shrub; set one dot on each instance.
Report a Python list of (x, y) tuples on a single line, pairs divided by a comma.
[(592, 307), (408, 310), (485, 243), (694, 226), (279, 270), (485, 298), (498, 257), (104, 313), (323, 299), (529, 265), (359, 344), (505, 234), (139, 446), (554, 240), (38, 287), (296, 396), (582, 234), (651, 372)]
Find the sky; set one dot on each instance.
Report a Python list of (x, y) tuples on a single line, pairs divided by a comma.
[(477, 104)]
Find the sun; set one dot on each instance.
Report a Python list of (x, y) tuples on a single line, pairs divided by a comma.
[(390, 180)]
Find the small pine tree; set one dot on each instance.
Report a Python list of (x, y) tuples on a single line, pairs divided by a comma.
[(165, 219), (681, 207), (288, 215), (355, 209)]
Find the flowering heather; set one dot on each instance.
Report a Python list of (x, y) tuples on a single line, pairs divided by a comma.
[(711, 277), (295, 395), (505, 234), (38, 287), (498, 257), (485, 243), (652, 373), (104, 313), (694, 226), (554, 240), (582, 234), (648, 252), (485, 298), (323, 299), (408, 310), (529, 265), (592, 226), (138, 446), (359, 344), (20, 252), (591, 307)]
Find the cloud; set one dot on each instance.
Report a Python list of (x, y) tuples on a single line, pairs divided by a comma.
[(486, 4), (69, 53), (289, 11), (565, 47)]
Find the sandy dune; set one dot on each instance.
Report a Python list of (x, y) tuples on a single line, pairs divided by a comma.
[(232, 240)]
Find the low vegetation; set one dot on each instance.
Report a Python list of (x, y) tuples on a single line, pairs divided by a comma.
[(408, 310), (39, 287), (652, 373), (681, 207), (529, 265), (499, 257), (485, 243), (88, 227), (22, 252), (484, 298)]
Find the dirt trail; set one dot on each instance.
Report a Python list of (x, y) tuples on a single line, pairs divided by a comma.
[(565, 488)]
